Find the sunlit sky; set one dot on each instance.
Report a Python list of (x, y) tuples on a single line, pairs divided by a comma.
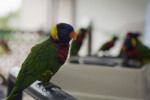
[(7, 6)]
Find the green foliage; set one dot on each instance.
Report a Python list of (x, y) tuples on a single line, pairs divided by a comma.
[(7, 22)]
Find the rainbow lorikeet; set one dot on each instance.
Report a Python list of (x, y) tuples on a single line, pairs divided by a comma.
[(76, 44), (45, 59), (108, 45), (135, 50)]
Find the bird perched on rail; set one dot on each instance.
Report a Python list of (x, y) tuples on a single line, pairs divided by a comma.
[(45, 58), (76, 44), (107, 46), (134, 49)]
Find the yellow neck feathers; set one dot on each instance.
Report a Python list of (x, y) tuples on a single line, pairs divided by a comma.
[(54, 33)]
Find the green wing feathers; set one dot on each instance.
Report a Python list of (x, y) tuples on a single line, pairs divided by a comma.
[(41, 58), (144, 52), (103, 47), (74, 48)]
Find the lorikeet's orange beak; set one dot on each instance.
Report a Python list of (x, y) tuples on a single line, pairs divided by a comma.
[(73, 35), (124, 48)]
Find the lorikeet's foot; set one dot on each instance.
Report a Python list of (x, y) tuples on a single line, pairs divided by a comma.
[(50, 86), (39, 84), (47, 87)]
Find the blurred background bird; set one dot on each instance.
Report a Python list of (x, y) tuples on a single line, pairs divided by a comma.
[(4, 48), (76, 44), (107, 46), (45, 59), (135, 50)]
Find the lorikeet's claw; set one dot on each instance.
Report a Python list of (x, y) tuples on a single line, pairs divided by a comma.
[(39, 84), (49, 87)]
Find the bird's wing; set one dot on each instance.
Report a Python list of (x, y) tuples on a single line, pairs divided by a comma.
[(73, 49), (143, 50), (38, 61), (103, 47)]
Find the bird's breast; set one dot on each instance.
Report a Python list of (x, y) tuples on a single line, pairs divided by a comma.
[(79, 40), (62, 52)]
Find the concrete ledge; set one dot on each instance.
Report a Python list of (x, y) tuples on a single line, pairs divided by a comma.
[(89, 82)]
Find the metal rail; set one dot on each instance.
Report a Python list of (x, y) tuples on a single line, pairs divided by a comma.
[(38, 92)]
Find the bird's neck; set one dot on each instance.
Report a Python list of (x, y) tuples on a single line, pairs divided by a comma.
[(62, 50), (55, 41)]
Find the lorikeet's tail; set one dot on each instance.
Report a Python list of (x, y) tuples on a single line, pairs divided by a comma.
[(12, 94)]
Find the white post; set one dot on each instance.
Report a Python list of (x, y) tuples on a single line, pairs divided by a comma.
[(147, 33)]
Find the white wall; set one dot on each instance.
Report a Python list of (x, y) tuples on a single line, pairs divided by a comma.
[(147, 35), (64, 13), (43, 14), (110, 17), (36, 14)]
